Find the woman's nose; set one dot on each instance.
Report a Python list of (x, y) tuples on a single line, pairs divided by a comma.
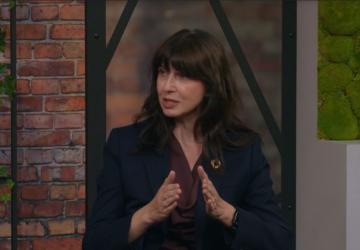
[(169, 83)]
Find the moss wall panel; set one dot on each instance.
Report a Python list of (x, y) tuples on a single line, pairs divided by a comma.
[(339, 70)]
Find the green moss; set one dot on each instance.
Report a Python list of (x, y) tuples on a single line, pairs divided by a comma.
[(322, 62), (353, 93), (336, 48), (340, 17), (334, 77), (335, 118), (354, 63)]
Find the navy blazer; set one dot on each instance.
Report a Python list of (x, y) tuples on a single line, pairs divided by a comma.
[(129, 181)]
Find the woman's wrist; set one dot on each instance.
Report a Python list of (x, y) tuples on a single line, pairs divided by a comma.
[(146, 216), (228, 214)]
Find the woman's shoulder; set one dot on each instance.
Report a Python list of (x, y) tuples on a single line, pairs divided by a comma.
[(129, 130), (242, 138)]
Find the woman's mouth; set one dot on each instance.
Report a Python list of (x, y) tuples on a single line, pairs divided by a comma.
[(168, 103)]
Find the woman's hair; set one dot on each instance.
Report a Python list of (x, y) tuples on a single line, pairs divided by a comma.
[(197, 55)]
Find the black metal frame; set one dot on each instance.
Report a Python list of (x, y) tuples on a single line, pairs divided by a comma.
[(98, 56)]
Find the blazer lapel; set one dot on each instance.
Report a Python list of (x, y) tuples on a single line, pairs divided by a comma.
[(200, 212), (157, 168)]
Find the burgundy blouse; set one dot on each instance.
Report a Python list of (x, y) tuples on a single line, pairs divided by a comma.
[(181, 229)]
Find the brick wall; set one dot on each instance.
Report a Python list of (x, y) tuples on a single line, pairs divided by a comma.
[(51, 125)]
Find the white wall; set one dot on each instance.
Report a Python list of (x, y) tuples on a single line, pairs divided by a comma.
[(321, 170), (353, 197)]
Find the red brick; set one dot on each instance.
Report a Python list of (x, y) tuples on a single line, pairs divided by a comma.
[(2, 210), (72, 86), (5, 156), (22, 12), (25, 209), (43, 138), (63, 192), (47, 50), (5, 138), (29, 103), (72, 12), (38, 156), (46, 68), (49, 173), (269, 12), (38, 121), (81, 191), (5, 244), (74, 49), (49, 209), (56, 243), (5, 121), (27, 31), (78, 137), (67, 31), (59, 227), (22, 86), (69, 121), (31, 228), (80, 229), (44, 86), (27, 174), (24, 244), (5, 229), (34, 192), (60, 103), (68, 155), (75, 208), (49, 1), (42, 13), (80, 172), (80, 68), (67, 174), (5, 104), (23, 51)]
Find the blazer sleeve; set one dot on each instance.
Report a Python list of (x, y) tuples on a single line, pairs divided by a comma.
[(261, 224), (108, 225)]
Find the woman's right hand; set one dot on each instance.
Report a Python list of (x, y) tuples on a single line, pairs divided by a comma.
[(165, 200)]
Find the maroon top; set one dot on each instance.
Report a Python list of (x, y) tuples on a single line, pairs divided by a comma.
[(181, 230)]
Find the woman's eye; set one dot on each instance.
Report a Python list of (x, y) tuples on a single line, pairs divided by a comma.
[(161, 72), (180, 76)]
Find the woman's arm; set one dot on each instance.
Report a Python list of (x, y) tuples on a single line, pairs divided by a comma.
[(261, 224), (108, 226)]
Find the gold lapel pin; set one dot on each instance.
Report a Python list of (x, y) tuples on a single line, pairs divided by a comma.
[(215, 164)]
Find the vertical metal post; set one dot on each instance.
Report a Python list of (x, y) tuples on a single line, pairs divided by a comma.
[(95, 94), (13, 128), (288, 119)]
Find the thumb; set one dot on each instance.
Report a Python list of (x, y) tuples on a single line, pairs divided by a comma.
[(201, 173), (170, 178)]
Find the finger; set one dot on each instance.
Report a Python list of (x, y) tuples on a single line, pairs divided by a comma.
[(171, 193), (171, 187), (170, 197), (170, 178), (201, 173), (170, 200), (170, 207)]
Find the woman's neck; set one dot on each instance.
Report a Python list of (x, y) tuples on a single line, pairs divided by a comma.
[(184, 131)]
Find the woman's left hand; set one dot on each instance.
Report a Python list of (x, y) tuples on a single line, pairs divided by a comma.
[(215, 206)]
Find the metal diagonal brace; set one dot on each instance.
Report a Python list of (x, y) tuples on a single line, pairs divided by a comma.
[(248, 74)]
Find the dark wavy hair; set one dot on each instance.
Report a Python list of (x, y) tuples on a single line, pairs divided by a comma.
[(198, 55)]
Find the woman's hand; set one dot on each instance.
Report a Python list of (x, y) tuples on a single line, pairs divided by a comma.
[(215, 206), (164, 201)]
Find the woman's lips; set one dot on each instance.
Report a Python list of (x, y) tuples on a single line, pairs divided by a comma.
[(168, 104)]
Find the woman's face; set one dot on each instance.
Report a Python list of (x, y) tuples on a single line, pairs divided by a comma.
[(178, 95)]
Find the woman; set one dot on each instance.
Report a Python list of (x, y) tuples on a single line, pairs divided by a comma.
[(187, 174)]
